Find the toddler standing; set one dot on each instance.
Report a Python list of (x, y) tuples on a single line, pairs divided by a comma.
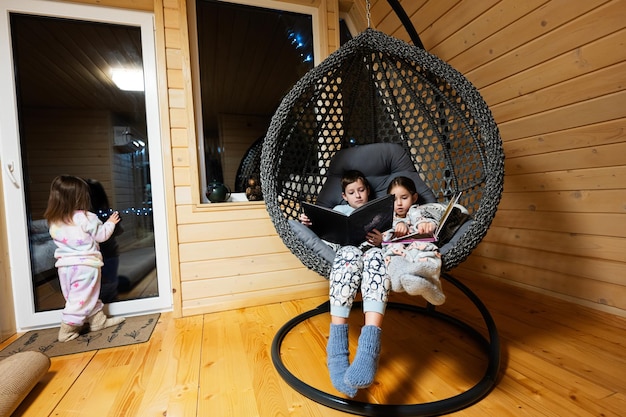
[(77, 232)]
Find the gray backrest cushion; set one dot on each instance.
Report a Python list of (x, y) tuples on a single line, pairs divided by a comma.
[(380, 163), (312, 241)]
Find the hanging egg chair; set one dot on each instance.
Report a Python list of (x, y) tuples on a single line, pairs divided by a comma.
[(378, 89)]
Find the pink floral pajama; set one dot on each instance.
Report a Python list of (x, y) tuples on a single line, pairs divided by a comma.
[(80, 285)]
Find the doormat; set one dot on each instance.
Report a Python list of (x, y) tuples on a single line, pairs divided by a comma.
[(133, 330)]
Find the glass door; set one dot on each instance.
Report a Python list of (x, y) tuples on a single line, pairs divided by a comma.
[(82, 83)]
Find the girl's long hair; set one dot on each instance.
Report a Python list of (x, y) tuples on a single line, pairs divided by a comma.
[(405, 182), (67, 194)]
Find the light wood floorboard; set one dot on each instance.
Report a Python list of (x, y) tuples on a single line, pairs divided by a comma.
[(558, 359)]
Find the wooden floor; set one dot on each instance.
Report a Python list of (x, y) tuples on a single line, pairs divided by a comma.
[(558, 359)]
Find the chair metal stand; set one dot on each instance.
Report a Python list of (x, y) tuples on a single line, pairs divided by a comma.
[(463, 400)]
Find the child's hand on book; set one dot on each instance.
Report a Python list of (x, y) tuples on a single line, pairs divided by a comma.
[(304, 219), (374, 237), (401, 229), (426, 227)]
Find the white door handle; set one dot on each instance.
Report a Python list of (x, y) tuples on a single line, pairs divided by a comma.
[(10, 169)]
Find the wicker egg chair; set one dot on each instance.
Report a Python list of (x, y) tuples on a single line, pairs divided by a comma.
[(377, 89), (250, 165)]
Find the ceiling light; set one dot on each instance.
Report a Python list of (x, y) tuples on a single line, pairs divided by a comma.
[(127, 79)]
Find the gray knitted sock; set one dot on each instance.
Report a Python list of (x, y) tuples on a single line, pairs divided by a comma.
[(361, 373), (396, 267), (429, 289), (424, 263), (337, 358)]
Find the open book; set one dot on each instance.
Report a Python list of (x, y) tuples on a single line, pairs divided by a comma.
[(337, 227), (426, 237)]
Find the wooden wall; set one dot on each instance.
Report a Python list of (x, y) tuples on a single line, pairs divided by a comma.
[(553, 73), (69, 142), (237, 132), (228, 255)]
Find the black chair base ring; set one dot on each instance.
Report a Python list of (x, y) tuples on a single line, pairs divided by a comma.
[(435, 408)]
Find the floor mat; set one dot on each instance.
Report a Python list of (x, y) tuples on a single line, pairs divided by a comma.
[(133, 330)]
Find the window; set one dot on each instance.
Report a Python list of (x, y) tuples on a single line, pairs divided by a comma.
[(248, 58)]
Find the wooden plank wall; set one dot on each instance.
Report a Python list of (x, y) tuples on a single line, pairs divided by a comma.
[(226, 255), (76, 142), (553, 73), (237, 132)]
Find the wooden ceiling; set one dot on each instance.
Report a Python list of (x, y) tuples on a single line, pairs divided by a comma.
[(247, 61), (66, 64)]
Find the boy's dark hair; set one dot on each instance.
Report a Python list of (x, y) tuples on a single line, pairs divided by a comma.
[(405, 182), (351, 176)]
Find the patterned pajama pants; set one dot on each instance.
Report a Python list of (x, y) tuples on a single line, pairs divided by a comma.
[(80, 285), (353, 269)]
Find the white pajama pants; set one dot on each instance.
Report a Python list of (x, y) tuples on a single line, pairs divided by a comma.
[(352, 269)]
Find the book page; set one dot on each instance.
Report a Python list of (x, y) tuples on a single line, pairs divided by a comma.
[(426, 237), (447, 212)]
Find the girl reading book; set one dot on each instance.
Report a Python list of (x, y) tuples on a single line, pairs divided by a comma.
[(413, 266)]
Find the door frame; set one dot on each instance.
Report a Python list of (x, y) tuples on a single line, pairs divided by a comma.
[(10, 158)]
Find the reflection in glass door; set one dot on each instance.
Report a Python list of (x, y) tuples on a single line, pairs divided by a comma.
[(81, 110)]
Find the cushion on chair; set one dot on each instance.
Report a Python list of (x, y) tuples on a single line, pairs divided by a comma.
[(380, 163), (312, 241), (460, 230), (20, 373)]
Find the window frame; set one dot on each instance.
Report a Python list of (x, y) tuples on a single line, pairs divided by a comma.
[(320, 44)]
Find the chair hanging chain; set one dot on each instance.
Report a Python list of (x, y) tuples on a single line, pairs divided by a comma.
[(367, 13)]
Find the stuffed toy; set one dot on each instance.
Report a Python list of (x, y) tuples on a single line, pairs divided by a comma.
[(253, 189)]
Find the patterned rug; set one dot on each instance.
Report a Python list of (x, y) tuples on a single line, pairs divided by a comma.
[(133, 330)]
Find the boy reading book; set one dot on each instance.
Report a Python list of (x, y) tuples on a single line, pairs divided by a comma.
[(346, 225), (355, 268)]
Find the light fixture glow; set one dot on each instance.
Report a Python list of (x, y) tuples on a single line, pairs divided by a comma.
[(127, 79)]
